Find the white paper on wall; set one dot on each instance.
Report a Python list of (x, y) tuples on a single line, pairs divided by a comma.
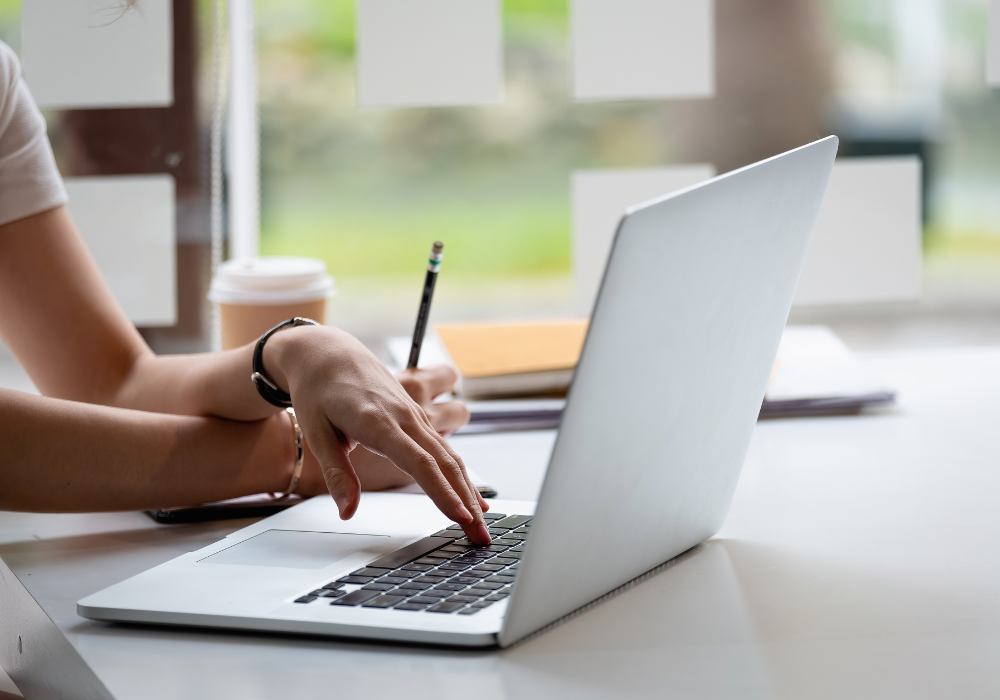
[(993, 45), (643, 49), (96, 53), (129, 224), (429, 53), (866, 245), (600, 198)]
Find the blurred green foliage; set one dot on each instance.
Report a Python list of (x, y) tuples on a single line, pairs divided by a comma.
[(480, 241)]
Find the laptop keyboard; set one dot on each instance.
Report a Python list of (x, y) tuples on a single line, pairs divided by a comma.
[(444, 573)]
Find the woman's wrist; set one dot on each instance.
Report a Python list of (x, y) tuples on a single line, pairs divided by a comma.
[(295, 349), (280, 352)]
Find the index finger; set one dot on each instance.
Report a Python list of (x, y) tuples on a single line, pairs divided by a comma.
[(442, 477)]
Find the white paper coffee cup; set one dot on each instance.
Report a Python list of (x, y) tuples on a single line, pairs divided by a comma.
[(256, 294)]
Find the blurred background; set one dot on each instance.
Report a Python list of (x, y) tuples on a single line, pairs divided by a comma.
[(368, 190)]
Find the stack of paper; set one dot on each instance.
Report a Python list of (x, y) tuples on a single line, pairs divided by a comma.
[(815, 374), (504, 360), (518, 414)]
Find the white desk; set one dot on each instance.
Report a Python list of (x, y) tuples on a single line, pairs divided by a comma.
[(861, 560)]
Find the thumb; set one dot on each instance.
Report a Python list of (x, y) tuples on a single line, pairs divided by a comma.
[(342, 481)]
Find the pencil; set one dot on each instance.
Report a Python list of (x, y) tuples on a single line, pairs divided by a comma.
[(433, 266)]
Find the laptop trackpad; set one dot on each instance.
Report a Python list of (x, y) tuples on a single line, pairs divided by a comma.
[(294, 549)]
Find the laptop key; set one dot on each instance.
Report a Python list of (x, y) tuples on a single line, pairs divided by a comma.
[(318, 592), (503, 541), (496, 548), (333, 586), (489, 585), (423, 600), (463, 580), (395, 580), (501, 578), (448, 533), (475, 593), (491, 567), (431, 579), (515, 536), (409, 606), (453, 566), (401, 573), (435, 594), (378, 587), (333, 594), (372, 571), (355, 598), (384, 601), (305, 599), (512, 521), (355, 579), (395, 560), (449, 587), (498, 531), (471, 610), (417, 567), (471, 561), (416, 585), (433, 561), (481, 572), (445, 607), (461, 599), (489, 517), (496, 596), (472, 573), (503, 561)]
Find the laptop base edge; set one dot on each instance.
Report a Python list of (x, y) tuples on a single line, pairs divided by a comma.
[(285, 626)]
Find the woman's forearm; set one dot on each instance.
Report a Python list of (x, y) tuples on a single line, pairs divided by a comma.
[(66, 456), (209, 384), (64, 326)]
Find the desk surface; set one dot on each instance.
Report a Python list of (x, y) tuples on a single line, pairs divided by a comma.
[(859, 560)]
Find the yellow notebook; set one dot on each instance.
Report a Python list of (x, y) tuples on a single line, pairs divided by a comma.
[(514, 359)]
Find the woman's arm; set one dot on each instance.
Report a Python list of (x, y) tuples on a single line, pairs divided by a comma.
[(67, 330), (64, 456), (71, 336)]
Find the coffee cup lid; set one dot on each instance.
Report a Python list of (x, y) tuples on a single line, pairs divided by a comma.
[(271, 280)]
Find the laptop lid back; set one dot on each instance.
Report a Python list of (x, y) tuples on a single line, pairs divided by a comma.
[(667, 391)]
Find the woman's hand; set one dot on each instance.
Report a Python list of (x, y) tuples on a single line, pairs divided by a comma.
[(345, 397), (376, 472)]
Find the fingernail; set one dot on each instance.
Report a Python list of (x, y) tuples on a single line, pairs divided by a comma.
[(464, 515), (342, 502)]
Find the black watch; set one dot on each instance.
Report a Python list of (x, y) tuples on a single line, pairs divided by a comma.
[(268, 390)]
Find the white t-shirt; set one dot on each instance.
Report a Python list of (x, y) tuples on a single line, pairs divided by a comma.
[(29, 179)]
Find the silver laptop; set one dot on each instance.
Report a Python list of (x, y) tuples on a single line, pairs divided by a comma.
[(659, 418)]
